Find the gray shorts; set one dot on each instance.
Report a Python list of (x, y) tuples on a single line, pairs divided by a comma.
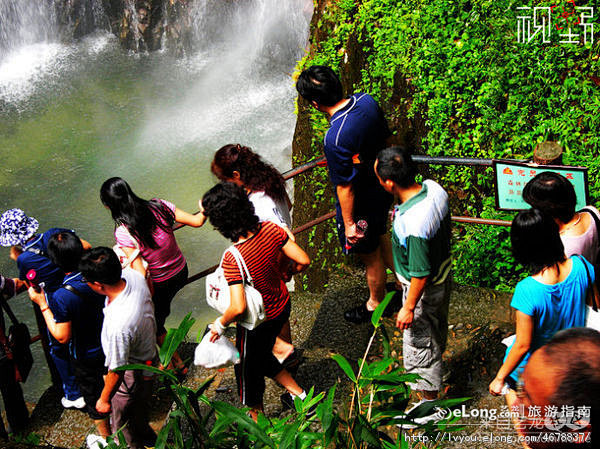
[(425, 341)]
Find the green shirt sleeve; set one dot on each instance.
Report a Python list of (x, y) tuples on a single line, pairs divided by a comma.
[(418, 257)]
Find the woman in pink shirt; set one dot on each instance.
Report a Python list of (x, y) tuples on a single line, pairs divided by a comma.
[(148, 226)]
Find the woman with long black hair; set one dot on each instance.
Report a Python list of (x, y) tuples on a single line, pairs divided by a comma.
[(263, 183), (147, 226), (551, 299), (231, 213), (265, 188)]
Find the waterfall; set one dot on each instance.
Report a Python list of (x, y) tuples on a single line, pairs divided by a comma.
[(26, 22)]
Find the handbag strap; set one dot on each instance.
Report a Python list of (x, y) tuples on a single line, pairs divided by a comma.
[(597, 221), (241, 264), (9, 311), (590, 289)]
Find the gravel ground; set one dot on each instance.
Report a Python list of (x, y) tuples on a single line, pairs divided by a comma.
[(479, 319)]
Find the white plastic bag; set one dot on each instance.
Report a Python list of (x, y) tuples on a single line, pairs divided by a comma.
[(216, 355)]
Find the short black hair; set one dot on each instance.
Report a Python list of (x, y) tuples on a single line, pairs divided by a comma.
[(576, 353), (536, 241), (65, 250), (396, 163), (230, 211), (319, 83), (552, 193), (102, 265)]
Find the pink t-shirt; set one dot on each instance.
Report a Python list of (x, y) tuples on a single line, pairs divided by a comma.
[(585, 244), (165, 261)]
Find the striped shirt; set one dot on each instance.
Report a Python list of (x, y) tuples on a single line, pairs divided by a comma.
[(260, 252), (421, 236)]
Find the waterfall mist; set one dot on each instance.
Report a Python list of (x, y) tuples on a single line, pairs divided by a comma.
[(76, 111)]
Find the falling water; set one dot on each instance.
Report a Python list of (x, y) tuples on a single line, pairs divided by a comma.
[(76, 112), (26, 22)]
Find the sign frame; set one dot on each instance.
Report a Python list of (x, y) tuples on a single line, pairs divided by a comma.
[(527, 164)]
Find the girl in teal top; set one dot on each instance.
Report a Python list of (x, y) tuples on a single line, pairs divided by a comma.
[(551, 299)]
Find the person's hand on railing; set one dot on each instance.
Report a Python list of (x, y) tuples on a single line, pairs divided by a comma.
[(38, 298)]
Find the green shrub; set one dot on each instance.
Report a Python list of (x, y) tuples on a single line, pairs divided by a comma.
[(469, 89)]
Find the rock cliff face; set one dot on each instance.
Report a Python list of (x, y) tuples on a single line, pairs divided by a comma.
[(141, 25), (313, 193)]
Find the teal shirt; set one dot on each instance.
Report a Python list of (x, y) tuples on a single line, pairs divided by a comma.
[(552, 307), (421, 235)]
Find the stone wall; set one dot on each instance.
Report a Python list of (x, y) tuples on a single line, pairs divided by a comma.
[(313, 193)]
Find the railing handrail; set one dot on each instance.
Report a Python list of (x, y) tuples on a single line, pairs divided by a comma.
[(322, 161)]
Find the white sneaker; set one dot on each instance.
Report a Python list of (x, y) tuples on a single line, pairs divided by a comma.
[(77, 403), (95, 441)]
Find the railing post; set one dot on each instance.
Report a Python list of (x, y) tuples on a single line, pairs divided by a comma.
[(548, 153)]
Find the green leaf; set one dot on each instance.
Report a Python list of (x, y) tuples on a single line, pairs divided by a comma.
[(378, 312), (153, 369), (243, 421), (345, 365), (174, 338), (385, 342)]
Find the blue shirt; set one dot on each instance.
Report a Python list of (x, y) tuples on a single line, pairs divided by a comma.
[(552, 307), (47, 272), (85, 315), (356, 135)]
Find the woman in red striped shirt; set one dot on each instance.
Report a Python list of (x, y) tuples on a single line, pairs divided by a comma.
[(227, 207)]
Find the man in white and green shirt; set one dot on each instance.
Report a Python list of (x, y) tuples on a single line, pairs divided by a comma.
[(421, 248)]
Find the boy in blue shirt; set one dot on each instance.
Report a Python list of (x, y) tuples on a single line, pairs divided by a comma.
[(75, 318), (29, 250)]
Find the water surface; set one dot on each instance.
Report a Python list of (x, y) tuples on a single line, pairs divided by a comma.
[(75, 114)]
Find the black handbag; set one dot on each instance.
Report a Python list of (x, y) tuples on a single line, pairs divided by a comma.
[(16, 345)]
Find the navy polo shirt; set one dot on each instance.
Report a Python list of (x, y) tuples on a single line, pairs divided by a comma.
[(356, 135), (47, 272), (85, 314)]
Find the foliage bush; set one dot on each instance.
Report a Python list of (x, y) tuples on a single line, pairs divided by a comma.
[(379, 398), (469, 89)]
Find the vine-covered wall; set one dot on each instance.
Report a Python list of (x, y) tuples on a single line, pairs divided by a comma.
[(454, 80)]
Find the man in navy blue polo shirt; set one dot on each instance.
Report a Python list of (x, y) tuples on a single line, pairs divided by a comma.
[(76, 318), (29, 250), (358, 131)]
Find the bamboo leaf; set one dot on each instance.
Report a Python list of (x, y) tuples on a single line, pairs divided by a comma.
[(174, 338), (378, 312), (345, 365), (243, 421)]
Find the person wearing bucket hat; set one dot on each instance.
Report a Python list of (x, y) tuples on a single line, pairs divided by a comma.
[(29, 250)]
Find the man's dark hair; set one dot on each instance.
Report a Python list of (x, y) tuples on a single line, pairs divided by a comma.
[(576, 352), (552, 193), (396, 163), (65, 250), (536, 241), (230, 211), (102, 265), (319, 83)]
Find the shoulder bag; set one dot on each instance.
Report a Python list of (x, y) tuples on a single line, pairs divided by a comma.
[(219, 298), (16, 345)]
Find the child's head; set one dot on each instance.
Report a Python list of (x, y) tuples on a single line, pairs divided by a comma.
[(16, 228)]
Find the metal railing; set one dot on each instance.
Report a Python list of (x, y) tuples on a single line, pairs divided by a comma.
[(319, 162), (322, 162)]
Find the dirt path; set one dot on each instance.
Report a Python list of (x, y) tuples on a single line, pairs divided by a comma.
[(479, 319)]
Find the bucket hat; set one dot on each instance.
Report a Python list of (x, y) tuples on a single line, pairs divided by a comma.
[(16, 227)]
